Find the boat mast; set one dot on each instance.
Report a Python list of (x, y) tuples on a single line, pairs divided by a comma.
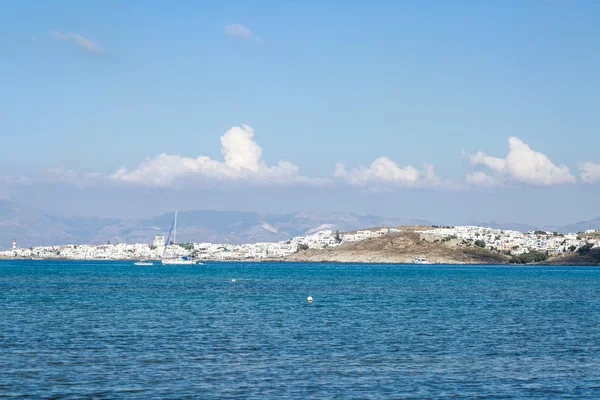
[(175, 229), (169, 237)]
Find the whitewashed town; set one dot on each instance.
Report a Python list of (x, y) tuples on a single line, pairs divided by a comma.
[(507, 241)]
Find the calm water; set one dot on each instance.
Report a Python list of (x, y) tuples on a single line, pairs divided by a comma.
[(114, 330)]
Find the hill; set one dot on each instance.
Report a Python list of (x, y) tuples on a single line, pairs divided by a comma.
[(400, 247), (589, 258)]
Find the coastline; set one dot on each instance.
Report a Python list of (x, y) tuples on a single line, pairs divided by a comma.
[(556, 261), (399, 245)]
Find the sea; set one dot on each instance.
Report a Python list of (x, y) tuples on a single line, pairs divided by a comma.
[(85, 329)]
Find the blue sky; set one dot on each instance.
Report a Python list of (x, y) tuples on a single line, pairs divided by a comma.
[(385, 88)]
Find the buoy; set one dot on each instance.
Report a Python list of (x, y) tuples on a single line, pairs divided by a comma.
[(233, 280), (309, 299)]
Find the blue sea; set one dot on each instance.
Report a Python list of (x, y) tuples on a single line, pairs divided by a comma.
[(115, 330)]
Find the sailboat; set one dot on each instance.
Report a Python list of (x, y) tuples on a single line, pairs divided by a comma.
[(174, 260)]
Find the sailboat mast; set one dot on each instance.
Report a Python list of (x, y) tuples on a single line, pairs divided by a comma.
[(169, 237), (175, 229)]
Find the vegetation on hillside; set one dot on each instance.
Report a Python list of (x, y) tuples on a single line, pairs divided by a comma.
[(528, 258), (480, 243), (338, 237), (585, 249)]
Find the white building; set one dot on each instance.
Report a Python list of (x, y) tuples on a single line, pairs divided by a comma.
[(159, 241)]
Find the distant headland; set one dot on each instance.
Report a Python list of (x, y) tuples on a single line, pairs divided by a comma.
[(397, 244)]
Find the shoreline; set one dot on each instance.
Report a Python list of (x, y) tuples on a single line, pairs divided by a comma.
[(288, 261)]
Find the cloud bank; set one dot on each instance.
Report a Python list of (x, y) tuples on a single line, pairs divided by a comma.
[(590, 172), (481, 179), (240, 31), (385, 171), (242, 160), (243, 163), (78, 40), (522, 164)]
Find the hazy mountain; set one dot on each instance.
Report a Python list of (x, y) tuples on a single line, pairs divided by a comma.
[(32, 227), (576, 227), (245, 227), (513, 226), (581, 226)]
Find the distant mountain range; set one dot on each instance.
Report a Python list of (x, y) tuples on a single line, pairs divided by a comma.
[(581, 226), (576, 227), (507, 226), (32, 227)]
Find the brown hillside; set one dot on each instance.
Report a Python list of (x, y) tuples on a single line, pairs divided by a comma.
[(400, 247), (591, 258)]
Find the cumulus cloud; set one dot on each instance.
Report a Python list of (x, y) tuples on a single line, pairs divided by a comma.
[(589, 171), (79, 41), (242, 161), (522, 164), (240, 31), (385, 171), (481, 179)]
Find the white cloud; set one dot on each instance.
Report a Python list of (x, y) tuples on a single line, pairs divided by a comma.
[(481, 179), (78, 40), (522, 164), (240, 31), (589, 171), (68, 176), (51, 176), (384, 170), (242, 161)]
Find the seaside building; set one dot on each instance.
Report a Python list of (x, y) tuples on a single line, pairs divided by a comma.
[(159, 241)]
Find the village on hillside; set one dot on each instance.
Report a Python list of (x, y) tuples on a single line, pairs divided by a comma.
[(509, 242)]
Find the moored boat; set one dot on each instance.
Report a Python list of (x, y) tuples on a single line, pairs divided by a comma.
[(421, 260), (176, 260)]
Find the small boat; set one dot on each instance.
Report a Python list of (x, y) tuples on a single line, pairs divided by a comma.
[(421, 260), (144, 262), (37, 259)]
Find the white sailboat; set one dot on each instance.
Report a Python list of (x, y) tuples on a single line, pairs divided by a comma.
[(174, 260)]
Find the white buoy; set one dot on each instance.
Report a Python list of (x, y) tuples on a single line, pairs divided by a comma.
[(233, 280), (309, 299)]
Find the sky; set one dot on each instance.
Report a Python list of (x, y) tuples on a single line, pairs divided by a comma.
[(449, 111)]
